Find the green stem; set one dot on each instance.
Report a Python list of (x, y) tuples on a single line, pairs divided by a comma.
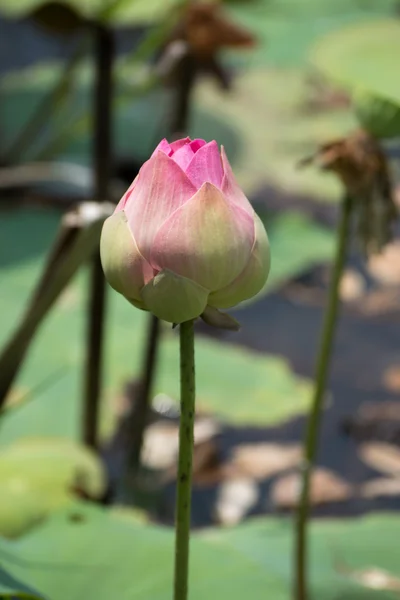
[(102, 158), (184, 479), (311, 438)]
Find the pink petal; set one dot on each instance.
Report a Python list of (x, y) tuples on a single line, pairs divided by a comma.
[(121, 204), (207, 240), (206, 166), (161, 189), (179, 143), (124, 267), (164, 146), (183, 156), (197, 144), (253, 277), (231, 188)]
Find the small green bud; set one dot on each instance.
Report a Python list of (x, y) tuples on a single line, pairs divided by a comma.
[(379, 116)]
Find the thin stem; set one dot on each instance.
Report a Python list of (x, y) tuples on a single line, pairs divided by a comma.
[(311, 438), (104, 53), (93, 373), (71, 249), (186, 75), (184, 479)]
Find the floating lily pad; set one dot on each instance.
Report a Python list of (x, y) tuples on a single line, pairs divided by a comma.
[(13, 589), (39, 475), (297, 244), (137, 559), (362, 56), (23, 8), (285, 29), (122, 12), (238, 385)]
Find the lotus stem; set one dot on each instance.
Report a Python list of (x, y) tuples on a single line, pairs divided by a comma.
[(314, 419), (74, 245), (104, 53), (184, 478)]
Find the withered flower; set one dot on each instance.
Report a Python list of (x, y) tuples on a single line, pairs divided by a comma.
[(361, 165), (201, 33), (207, 29)]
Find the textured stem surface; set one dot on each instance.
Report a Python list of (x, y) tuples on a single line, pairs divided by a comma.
[(184, 479), (104, 53), (311, 438)]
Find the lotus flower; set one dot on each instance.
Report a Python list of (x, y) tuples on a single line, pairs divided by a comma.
[(184, 240)]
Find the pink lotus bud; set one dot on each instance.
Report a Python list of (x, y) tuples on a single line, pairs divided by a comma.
[(184, 236)]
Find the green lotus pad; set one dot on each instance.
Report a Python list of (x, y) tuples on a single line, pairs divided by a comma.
[(14, 589), (39, 475), (117, 12), (85, 551), (362, 56)]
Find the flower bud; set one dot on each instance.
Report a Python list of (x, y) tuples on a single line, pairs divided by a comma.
[(184, 236), (377, 115)]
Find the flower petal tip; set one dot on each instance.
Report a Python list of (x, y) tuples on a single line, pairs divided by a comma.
[(215, 318), (173, 298)]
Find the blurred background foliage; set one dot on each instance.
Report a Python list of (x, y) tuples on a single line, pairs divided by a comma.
[(285, 33)]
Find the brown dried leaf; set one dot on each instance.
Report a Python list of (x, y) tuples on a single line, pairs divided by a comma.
[(160, 446), (391, 381), (263, 460), (360, 163), (380, 456), (161, 440), (374, 411), (373, 578), (16, 396), (207, 468), (356, 159), (396, 195), (385, 267), (69, 298), (207, 29), (380, 301), (382, 486), (352, 286), (235, 498), (326, 486)]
